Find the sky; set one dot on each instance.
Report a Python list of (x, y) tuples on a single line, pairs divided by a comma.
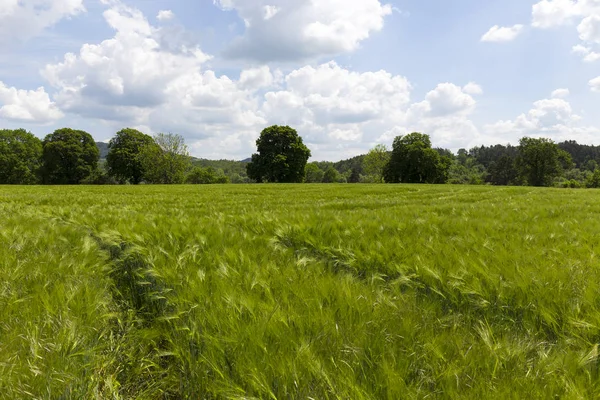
[(346, 74)]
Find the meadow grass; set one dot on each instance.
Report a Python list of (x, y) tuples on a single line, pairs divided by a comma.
[(299, 292)]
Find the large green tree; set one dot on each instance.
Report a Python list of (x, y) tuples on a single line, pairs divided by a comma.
[(166, 160), (414, 161), (123, 161), (375, 161), (281, 157), (540, 160), (69, 157), (20, 157)]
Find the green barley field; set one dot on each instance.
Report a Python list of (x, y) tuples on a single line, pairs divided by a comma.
[(299, 292)]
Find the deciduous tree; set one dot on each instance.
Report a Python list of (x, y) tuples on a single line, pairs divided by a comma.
[(281, 157), (540, 160), (69, 156), (414, 161), (167, 160), (123, 161), (375, 162), (20, 157)]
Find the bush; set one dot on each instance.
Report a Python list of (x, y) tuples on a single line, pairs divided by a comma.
[(99, 177), (206, 176)]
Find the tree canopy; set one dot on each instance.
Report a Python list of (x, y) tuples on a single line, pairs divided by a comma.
[(375, 162), (281, 157), (414, 161), (166, 160), (540, 160), (314, 174), (69, 156), (20, 157), (123, 161)]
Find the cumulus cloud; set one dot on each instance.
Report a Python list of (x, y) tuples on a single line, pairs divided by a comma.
[(502, 34), (129, 72), (587, 53), (23, 19), (560, 93), (552, 118), (330, 103), (141, 77), (320, 28), (595, 84), (448, 99), (32, 106), (552, 13), (472, 88), (257, 78), (165, 15)]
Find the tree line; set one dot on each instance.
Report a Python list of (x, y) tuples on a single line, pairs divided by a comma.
[(69, 156)]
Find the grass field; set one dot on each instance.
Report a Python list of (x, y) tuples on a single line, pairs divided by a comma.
[(299, 292)]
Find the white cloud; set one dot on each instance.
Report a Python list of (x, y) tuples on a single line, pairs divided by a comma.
[(449, 99), (23, 19), (320, 28), (270, 12), (595, 84), (588, 54), (589, 29), (32, 106), (125, 74), (560, 93), (553, 118), (472, 88), (552, 13), (257, 78), (502, 34), (165, 15), (141, 77)]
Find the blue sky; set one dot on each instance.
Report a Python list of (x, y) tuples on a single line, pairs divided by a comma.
[(347, 74)]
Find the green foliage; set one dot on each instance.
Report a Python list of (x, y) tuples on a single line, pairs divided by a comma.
[(123, 159), (354, 176), (466, 174), (540, 161), (295, 292), (333, 176), (20, 154), (206, 176), (99, 177), (166, 160), (234, 170), (69, 156), (503, 171), (593, 180), (282, 156), (583, 156), (313, 174), (375, 162), (414, 161)]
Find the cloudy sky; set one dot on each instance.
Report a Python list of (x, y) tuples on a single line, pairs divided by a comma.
[(347, 74)]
